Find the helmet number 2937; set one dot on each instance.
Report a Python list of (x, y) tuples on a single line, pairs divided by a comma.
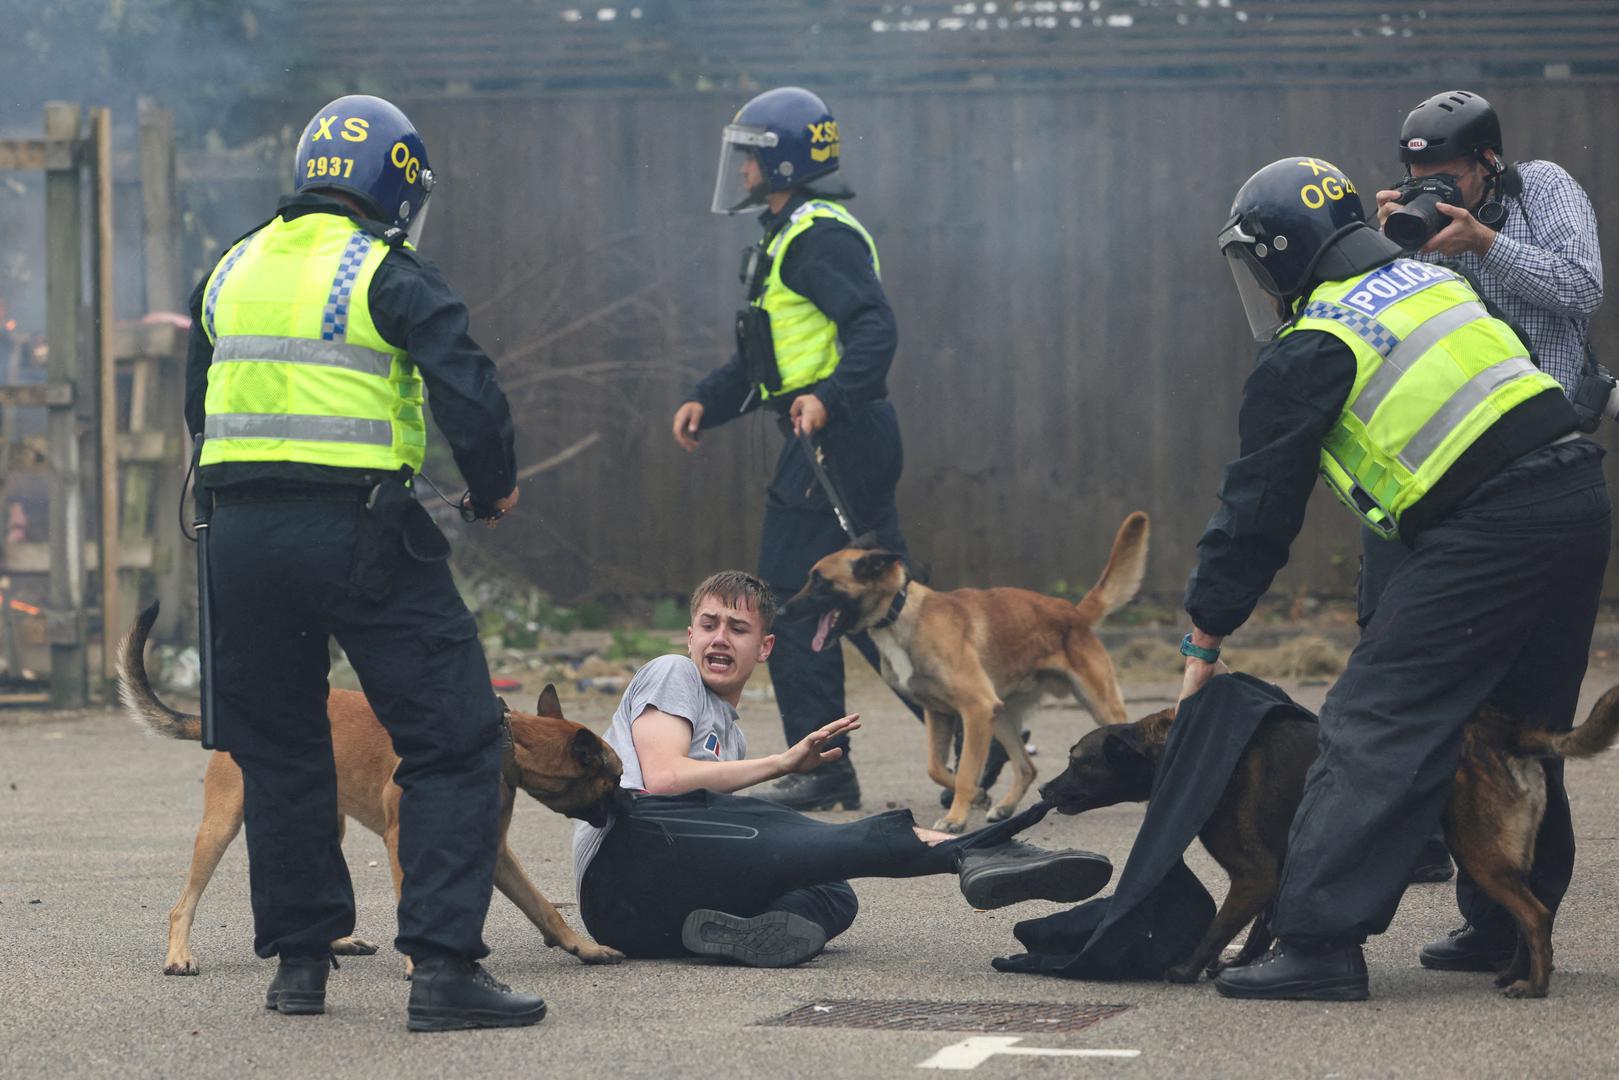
[(329, 165)]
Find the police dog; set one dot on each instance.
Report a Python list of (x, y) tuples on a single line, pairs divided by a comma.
[(562, 764), (981, 655), (1496, 804)]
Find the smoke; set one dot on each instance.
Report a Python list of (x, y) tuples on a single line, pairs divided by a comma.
[(202, 58)]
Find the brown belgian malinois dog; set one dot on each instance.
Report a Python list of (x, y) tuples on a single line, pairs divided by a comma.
[(562, 764), (983, 655), (1496, 803)]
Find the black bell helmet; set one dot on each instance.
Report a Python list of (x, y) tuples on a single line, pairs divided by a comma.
[(1451, 125), (1282, 220)]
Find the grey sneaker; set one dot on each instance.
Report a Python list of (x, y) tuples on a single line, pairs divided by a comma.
[(774, 939), (1012, 872)]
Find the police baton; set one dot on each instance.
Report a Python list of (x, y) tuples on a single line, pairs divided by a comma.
[(201, 525), (817, 462)]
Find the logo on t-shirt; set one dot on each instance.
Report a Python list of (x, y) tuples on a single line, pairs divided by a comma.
[(712, 744)]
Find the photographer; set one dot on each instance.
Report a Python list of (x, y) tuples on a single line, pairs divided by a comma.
[(1525, 234)]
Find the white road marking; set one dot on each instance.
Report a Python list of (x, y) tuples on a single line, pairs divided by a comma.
[(973, 1052)]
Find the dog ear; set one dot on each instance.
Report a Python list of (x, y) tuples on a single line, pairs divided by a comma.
[(586, 749), (1125, 747), (871, 567), (548, 705), (866, 541)]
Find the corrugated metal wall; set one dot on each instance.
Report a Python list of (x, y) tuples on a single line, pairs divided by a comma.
[(1071, 345)]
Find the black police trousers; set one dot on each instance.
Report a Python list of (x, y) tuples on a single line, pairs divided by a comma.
[(1494, 604), (282, 569), (866, 458)]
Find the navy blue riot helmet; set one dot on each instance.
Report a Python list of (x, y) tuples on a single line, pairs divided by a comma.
[(366, 147), (790, 136), (1283, 220)]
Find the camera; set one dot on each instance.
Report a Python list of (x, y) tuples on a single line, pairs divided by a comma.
[(1418, 217), (1596, 395)]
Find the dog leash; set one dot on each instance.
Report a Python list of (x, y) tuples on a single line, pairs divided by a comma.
[(824, 478)]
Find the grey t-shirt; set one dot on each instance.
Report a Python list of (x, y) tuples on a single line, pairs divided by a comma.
[(670, 684)]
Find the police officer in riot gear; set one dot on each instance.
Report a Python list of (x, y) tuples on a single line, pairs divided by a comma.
[(1428, 418), (316, 341), (814, 345)]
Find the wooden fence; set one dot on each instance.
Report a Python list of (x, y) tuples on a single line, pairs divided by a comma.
[(1071, 345)]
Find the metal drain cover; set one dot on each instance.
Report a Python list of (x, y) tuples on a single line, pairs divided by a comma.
[(987, 1016)]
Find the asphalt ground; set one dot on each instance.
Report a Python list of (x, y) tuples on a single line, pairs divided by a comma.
[(96, 826)]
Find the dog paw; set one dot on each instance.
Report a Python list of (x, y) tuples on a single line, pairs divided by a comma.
[(1182, 973), (944, 824), (591, 953), (183, 965), (353, 946), (1523, 988), (981, 800)]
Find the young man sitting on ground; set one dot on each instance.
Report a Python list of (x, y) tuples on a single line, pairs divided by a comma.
[(691, 869)]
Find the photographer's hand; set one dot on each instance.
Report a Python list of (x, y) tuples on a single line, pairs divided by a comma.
[(1464, 233), (1386, 202)]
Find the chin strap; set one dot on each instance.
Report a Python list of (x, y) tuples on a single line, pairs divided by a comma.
[(895, 606)]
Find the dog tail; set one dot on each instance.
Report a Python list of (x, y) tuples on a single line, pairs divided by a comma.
[(1592, 737), (1121, 578), (140, 701)]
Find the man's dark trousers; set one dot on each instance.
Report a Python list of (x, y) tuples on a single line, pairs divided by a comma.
[(1494, 604), (281, 588), (800, 528)]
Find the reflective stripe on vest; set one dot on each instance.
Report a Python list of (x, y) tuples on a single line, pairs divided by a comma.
[(1433, 372), (805, 340), (299, 371)]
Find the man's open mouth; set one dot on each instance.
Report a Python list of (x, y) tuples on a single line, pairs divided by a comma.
[(719, 663)]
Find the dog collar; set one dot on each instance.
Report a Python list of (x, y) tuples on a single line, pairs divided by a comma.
[(895, 606), (509, 772)]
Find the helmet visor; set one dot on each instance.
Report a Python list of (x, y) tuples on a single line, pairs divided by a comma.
[(740, 181)]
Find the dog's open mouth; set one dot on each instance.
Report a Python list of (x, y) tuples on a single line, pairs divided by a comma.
[(826, 630)]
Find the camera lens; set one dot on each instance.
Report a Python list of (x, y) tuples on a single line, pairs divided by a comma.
[(1413, 224)]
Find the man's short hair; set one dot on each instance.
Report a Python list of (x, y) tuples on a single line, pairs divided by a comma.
[(737, 588)]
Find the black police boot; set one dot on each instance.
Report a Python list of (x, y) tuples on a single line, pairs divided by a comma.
[(774, 939), (826, 788), (299, 986), (1468, 948), (1011, 872), (448, 993), (1292, 973), (1433, 865)]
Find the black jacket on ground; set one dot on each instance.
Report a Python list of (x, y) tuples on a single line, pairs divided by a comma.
[(1160, 910), (414, 309)]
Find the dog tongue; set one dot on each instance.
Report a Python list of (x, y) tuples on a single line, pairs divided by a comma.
[(822, 629)]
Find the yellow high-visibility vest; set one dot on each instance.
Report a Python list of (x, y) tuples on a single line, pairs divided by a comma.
[(805, 340), (299, 371), (1433, 372)]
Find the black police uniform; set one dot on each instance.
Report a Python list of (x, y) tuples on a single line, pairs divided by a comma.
[(1495, 602), (830, 264), (298, 558)]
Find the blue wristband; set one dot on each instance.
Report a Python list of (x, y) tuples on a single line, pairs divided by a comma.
[(1198, 652)]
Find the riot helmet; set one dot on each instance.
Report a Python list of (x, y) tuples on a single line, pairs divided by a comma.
[(365, 147), (1451, 125), (1284, 218), (790, 136)]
